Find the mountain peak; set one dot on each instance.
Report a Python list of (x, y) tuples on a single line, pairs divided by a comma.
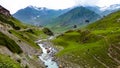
[(111, 7), (4, 11), (37, 8)]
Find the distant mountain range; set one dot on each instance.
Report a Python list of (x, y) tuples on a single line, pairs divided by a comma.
[(66, 17), (110, 9), (104, 10), (37, 16), (78, 16)]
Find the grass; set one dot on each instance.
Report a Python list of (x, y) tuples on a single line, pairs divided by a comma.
[(89, 46), (24, 32), (25, 37), (7, 62), (84, 50), (9, 43), (29, 36), (12, 21)]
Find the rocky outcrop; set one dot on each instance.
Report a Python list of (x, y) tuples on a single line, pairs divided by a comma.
[(4, 11)]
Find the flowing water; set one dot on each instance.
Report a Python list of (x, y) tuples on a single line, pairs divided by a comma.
[(47, 56)]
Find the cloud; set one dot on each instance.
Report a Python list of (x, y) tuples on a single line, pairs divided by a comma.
[(86, 2), (56, 4), (15, 5), (102, 3)]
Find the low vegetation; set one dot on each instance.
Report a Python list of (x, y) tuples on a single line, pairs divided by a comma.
[(96, 45), (17, 37), (17, 25), (7, 62), (29, 35), (47, 31), (9, 43)]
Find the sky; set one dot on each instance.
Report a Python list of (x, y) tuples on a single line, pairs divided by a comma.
[(15, 5)]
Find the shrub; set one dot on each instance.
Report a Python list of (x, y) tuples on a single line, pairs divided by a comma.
[(30, 31), (48, 31), (69, 31), (17, 28), (19, 60)]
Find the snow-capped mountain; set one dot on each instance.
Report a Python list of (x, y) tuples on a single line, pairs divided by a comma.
[(104, 10), (39, 8), (109, 9), (94, 8), (42, 15), (37, 15)]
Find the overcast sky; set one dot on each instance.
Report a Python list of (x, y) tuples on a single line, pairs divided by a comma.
[(14, 5)]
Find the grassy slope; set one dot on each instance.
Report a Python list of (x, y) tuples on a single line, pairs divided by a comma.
[(76, 16), (7, 62), (90, 46), (25, 33), (12, 21), (29, 35), (9, 43)]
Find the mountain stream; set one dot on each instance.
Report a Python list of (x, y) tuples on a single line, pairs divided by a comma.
[(47, 55)]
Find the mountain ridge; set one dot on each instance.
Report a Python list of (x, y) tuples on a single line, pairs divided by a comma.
[(37, 16), (79, 16), (96, 46)]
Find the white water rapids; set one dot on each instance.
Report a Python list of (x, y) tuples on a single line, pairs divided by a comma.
[(47, 57)]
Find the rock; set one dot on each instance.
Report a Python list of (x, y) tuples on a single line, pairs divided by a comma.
[(118, 20), (4, 11), (48, 50), (46, 66), (118, 67), (53, 59), (60, 66)]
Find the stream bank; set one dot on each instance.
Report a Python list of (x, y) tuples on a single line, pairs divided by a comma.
[(48, 53)]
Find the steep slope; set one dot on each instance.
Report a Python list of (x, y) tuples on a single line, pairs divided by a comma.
[(95, 46), (77, 16), (5, 40), (17, 42), (4, 11), (96, 9), (37, 16)]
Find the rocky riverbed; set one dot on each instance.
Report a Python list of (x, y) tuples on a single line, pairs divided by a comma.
[(48, 53)]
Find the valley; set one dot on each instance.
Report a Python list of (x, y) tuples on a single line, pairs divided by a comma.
[(79, 37), (60, 21)]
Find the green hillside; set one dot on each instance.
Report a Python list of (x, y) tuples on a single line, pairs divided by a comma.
[(7, 62), (9, 43), (16, 24), (17, 42), (95, 46), (22, 31), (79, 16)]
